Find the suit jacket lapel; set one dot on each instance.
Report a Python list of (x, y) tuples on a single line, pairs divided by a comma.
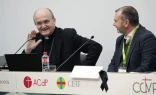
[(133, 44), (57, 46), (40, 47), (119, 52)]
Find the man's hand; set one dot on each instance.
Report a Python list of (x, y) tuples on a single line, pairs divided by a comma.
[(31, 44)]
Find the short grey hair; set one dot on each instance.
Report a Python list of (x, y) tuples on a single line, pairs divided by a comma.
[(129, 13)]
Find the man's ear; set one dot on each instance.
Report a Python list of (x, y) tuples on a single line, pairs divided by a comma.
[(126, 23), (54, 19)]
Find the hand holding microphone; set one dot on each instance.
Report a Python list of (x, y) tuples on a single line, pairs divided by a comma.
[(31, 43)]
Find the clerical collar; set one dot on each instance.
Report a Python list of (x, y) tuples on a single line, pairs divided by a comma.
[(51, 36), (46, 38)]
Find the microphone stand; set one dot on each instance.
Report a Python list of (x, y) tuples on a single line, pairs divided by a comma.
[(75, 52)]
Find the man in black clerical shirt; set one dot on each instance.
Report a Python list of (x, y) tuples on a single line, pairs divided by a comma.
[(60, 43)]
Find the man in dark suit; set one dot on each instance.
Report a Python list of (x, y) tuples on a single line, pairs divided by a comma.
[(136, 48), (60, 43)]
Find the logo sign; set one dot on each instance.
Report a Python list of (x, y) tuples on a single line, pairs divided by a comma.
[(28, 82), (61, 83), (4, 81), (146, 86), (73, 83)]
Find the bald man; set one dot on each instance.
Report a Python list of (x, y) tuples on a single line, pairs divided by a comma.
[(60, 43)]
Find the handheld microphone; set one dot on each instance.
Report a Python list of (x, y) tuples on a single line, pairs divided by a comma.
[(19, 49), (75, 52)]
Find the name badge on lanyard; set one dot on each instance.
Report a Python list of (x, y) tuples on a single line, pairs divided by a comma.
[(122, 69)]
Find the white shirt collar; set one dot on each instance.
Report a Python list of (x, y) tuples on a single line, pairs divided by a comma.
[(128, 37)]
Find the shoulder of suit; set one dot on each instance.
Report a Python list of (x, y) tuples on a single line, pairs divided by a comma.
[(68, 31), (144, 32)]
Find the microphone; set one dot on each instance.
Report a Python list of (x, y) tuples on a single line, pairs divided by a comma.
[(25, 43), (75, 52), (18, 50)]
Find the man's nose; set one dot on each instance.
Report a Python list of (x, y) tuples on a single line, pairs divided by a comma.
[(114, 24), (43, 25)]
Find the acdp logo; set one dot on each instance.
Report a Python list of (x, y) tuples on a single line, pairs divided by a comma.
[(61, 83), (28, 82), (146, 86)]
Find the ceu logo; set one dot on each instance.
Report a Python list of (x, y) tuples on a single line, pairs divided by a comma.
[(27, 82), (61, 83)]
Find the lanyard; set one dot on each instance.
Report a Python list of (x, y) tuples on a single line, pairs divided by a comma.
[(125, 55)]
